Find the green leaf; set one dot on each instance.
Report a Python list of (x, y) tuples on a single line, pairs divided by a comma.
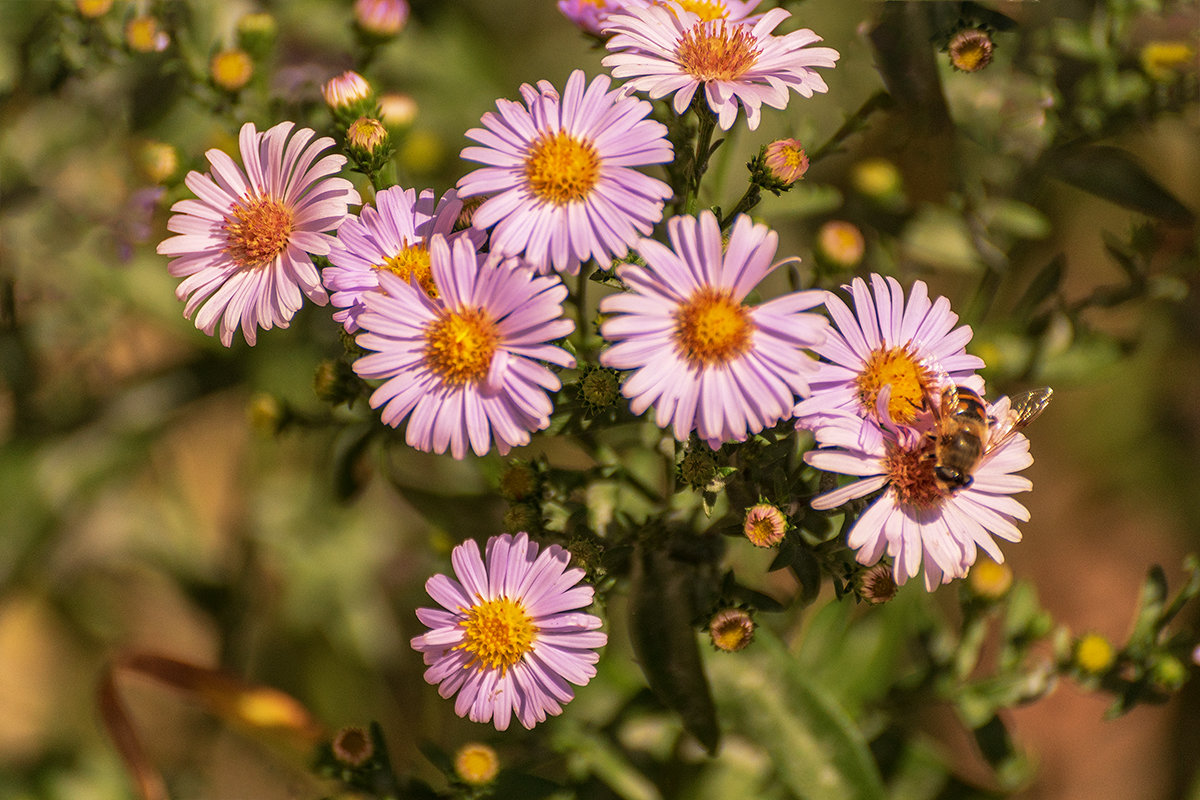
[(1043, 286), (817, 750), (1113, 174), (664, 641)]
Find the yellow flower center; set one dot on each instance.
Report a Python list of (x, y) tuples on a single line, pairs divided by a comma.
[(716, 51), (497, 633), (1094, 654), (412, 262), (459, 345), (910, 473), (231, 69), (705, 9), (898, 368), (711, 328), (477, 764), (561, 169), (257, 230)]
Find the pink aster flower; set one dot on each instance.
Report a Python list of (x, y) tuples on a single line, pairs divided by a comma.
[(394, 238), (465, 369), (560, 179), (707, 361), (508, 638), (914, 520), (590, 15), (244, 245), (669, 50), (884, 360)]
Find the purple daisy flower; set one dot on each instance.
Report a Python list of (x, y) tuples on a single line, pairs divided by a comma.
[(883, 361), (560, 179), (670, 50), (465, 366), (508, 638), (915, 521), (244, 245), (394, 238), (705, 360), (591, 14)]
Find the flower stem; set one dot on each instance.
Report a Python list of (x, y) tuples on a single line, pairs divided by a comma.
[(707, 123)]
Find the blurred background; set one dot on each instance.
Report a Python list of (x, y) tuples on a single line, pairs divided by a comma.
[(160, 492)]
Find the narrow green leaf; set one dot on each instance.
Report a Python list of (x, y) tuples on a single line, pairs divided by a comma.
[(1043, 286), (664, 641), (818, 751), (1111, 173)]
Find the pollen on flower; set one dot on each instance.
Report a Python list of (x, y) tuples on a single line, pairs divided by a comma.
[(459, 346), (705, 9), (910, 382), (562, 169), (413, 262), (257, 230), (715, 51), (497, 633), (712, 328), (910, 472)]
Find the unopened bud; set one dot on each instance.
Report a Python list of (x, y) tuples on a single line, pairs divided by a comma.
[(381, 18), (519, 481), (840, 244), (397, 110), (352, 746), (879, 180), (600, 388), (786, 161), (989, 579), (971, 50), (476, 764), (765, 525), (256, 33), (698, 467), (877, 585), (143, 35), (93, 8), (366, 134), (346, 91), (1169, 672), (731, 630), (522, 517), (158, 161), (1094, 654), (231, 69)]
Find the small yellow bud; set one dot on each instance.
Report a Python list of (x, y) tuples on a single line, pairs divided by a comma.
[(397, 110), (231, 69), (476, 764), (367, 134), (1094, 654), (990, 580), (143, 35), (765, 525), (1162, 61), (158, 161), (840, 244), (93, 8), (786, 161), (971, 50)]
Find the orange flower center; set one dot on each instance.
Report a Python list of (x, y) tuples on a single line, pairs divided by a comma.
[(497, 633), (910, 473), (412, 262), (898, 368), (459, 345), (716, 51), (711, 328), (561, 169), (705, 9), (257, 230)]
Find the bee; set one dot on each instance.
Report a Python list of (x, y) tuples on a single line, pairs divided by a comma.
[(963, 433)]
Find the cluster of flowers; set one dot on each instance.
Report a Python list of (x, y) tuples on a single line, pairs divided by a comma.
[(459, 298)]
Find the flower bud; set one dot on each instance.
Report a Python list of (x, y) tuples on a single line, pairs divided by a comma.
[(380, 18), (336, 382), (266, 413), (231, 69), (352, 746), (880, 181), (877, 585), (143, 35), (158, 161), (476, 764), (765, 525), (256, 33), (971, 50), (1169, 672), (1162, 61), (519, 481), (522, 517), (600, 388), (397, 110), (1094, 654), (349, 97), (786, 161), (840, 244), (93, 8), (731, 630), (989, 579), (698, 467)]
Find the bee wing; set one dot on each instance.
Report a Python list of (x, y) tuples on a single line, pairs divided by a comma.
[(1023, 409)]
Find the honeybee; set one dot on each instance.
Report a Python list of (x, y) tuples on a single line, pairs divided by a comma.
[(963, 434)]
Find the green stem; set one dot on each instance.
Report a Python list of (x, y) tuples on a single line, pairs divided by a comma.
[(748, 201), (854, 123), (583, 335), (707, 123)]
